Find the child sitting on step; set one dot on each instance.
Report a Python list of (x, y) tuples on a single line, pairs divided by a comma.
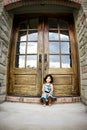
[(47, 91)]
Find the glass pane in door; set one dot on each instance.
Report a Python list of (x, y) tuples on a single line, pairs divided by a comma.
[(64, 35), (22, 48), (31, 61), (65, 60), (22, 36), (53, 35), (32, 36), (32, 48), (65, 47), (54, 47), (54, 61), (20, 61)]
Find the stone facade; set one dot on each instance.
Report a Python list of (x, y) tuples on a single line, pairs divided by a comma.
[(81, 31), (80, 17), (5, 28)]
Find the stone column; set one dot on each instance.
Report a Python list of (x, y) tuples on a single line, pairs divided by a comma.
[(5, 29), (81, 30)]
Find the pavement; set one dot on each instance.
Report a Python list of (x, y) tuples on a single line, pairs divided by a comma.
[(31, 116)]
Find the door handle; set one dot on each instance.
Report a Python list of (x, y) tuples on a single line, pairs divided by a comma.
[(40, 58), (45, 58)]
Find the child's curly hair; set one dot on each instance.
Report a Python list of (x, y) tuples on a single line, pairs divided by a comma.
[(48, 75)]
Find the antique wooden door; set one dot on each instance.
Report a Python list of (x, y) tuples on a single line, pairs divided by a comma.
[(40, 46)]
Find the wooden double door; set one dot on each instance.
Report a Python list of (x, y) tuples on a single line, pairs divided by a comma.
[(40, 46)]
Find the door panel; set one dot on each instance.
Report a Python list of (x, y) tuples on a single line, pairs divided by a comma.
[(43, 46), (63, 85), (63, 80)]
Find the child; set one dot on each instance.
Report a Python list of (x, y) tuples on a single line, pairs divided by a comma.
[(47, 91)]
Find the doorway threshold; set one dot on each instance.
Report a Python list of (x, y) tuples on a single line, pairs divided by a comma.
[(71, 99)]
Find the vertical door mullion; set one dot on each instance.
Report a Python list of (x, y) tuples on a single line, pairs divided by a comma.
[(40, 53), (59, 46), (46, 47), (26, 49)]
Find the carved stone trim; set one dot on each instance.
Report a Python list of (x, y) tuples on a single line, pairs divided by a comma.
[(12, 4)]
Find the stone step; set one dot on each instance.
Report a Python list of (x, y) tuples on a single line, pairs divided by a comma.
[(37, 99)]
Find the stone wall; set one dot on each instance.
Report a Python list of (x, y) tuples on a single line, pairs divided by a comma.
[(81, 31), (5, 29)]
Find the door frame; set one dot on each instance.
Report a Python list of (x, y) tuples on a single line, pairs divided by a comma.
[(73, 41)]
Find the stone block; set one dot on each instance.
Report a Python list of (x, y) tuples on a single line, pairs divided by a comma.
[(2, 69), (31, 100), (1, 77), (3, 59), (84, 82), (82, 92), (11, 98), (64, 100), (86, 92), (2, 90), (2, 98), (76, 99), (84, 76)]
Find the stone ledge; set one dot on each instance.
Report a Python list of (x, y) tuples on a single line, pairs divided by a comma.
[(2, 98), (37, 99)]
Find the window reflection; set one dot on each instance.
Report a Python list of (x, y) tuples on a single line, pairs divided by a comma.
[(53, 35), (22, 36), (65, 47), (59, 44), (32, 36), (64, 35), (26, 49), (22, 47), (54, 61), (54, 47), (31, 61), (65, 61), (20, 61), (32, 48)]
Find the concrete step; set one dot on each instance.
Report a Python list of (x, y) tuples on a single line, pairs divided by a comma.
[(37, 99)]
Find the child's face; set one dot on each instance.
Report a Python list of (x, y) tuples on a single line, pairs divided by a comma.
[(48, 79)]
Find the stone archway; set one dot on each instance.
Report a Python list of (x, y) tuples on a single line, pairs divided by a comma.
[(19, 3)]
